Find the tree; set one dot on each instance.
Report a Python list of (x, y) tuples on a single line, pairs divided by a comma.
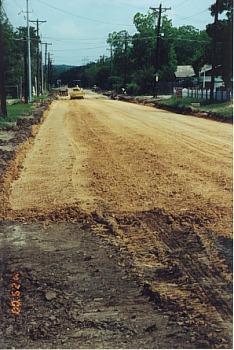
[(120, 43), (192, 46), (143, 79), (224, 34), (144, 50), (133, 58), (143, 42)]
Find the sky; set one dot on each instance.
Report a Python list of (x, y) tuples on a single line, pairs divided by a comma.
[(78, 29)]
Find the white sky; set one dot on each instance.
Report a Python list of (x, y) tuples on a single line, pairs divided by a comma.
[(78, 29)]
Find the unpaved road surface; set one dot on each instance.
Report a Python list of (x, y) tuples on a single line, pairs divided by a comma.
[(118, 219)]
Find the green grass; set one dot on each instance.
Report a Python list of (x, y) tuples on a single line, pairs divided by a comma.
[(14, 112), (224, 109), (18, 110)]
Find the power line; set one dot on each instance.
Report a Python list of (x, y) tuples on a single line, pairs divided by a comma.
[(72, 39), (128, 5), (182, 3), (82, 17), (196, 14), (85, 48)]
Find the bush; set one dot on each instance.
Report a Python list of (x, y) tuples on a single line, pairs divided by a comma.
[(115, 82), (133, 89)]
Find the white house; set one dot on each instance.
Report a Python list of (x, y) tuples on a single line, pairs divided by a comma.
[(205, 75)]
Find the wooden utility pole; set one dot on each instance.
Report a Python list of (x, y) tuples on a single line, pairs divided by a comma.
[(49, 71), (125, 59), (45, 76), (214, 50), (38, 55), (160, 10), (111, 58), (29, 57), (3, 109)]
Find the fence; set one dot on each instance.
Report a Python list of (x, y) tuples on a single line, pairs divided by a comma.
[(220, 95)]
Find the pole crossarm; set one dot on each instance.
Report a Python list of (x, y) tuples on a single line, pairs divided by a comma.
[(157, 9)]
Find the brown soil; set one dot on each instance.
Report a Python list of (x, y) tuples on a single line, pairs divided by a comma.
[(153, 184)]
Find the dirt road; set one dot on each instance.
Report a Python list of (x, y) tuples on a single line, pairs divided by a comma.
[(157, 185)]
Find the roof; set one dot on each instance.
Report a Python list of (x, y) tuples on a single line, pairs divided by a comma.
[(184, 71), (206, 68)]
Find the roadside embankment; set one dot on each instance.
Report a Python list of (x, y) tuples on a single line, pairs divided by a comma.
[(220, 112), (13, 137)]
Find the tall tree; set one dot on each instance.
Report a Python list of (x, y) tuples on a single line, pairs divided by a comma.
[(192, 46), (120, 43), (224, 33)]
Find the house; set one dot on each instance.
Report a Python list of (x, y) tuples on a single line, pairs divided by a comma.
[(205, 76), (184, 72)]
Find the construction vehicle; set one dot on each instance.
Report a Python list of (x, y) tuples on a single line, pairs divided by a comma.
[(63, 91), (76, 92)]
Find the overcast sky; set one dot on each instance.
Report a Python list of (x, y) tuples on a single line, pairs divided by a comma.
[(78, 29)]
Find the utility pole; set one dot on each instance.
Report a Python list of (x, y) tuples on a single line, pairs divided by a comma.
[(111, 58), (25, 70), (214, 50), (23, 33), (29, 57), (49, 71), (160, 10), (46, 47), (42, 73), (125, 59), (3, 109), (38, 55)]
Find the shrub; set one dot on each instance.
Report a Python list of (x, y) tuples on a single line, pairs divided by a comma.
[(133, 89)]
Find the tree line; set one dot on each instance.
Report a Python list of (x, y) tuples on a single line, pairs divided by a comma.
[(132, 62)]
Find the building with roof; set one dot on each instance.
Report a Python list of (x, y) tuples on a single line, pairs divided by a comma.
[(183, 72)]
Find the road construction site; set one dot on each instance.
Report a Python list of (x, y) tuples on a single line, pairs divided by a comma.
[(118, 219)]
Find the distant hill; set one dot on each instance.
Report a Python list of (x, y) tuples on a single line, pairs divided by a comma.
[(59, 69), (73, 76)]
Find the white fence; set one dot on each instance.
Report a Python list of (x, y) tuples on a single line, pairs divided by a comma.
[(220, 95)]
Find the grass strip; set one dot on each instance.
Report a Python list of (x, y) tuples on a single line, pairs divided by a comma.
[(223, 109)]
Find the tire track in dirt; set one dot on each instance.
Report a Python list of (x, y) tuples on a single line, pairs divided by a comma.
[(179, 266)]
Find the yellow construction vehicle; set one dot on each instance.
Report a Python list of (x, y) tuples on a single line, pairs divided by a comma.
[(76, 92)]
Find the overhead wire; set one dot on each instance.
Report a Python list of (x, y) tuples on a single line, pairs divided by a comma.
[(182, 3), (82, 17), (199, 13), (66, 40)]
